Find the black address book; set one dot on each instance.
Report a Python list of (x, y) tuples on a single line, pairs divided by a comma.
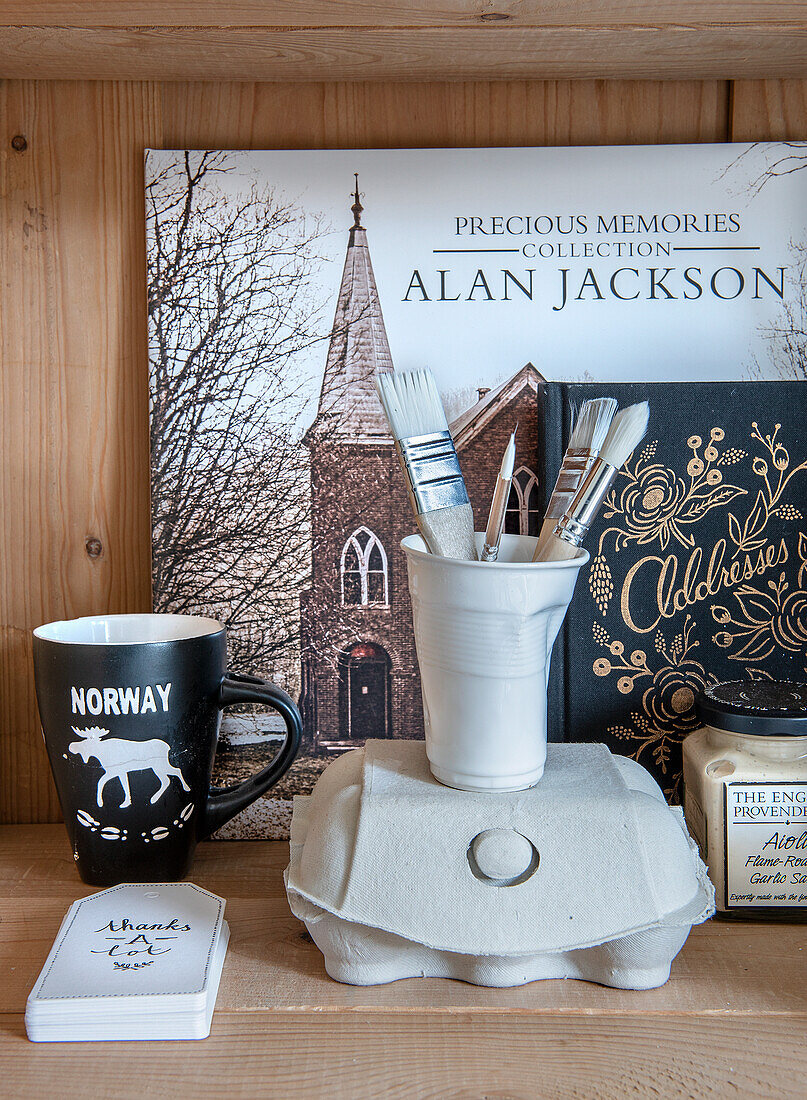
[(698, 569)]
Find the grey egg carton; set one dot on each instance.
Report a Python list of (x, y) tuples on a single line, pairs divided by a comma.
[(394, 877)]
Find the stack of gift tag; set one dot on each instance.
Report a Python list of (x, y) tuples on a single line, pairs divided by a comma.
[(132, 962)]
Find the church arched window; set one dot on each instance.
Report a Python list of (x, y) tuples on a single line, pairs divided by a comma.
[(364, 569), (523, 515)]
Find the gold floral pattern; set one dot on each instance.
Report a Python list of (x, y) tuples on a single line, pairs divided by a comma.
[(776, 475), (667, 704), (657, 505), (651, 504), (774, 618)]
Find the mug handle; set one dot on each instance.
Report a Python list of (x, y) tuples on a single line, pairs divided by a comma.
[(226, 802)]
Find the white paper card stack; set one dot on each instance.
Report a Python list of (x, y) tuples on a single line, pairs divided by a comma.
[(132, 962)]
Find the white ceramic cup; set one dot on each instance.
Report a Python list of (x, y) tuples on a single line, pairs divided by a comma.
[(484, 633)]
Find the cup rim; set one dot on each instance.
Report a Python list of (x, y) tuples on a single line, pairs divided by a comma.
[(577, 562), (176, 628)]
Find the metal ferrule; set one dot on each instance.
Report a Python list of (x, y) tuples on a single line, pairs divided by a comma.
[(489, 552), (576, 464), (583, 510), (433, 475)]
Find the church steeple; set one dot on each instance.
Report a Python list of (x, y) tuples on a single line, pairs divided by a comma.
[(358, 348), (357, 207)]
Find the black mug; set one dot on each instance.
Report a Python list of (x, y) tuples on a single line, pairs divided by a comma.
[(130, 708)]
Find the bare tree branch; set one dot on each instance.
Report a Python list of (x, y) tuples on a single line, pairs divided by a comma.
[(229, 310), (784, 164), (787, 336)]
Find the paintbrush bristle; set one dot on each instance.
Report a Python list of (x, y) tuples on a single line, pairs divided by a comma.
[(626, 432), (412, 403), (592, 424)]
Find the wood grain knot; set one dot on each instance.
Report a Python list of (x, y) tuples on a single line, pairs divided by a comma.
[(94, 548), (19, 143), (495, 16)]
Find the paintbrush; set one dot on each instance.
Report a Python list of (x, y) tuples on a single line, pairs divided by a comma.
[(498, 507), (429, 461), (625, 433), (589, 432)]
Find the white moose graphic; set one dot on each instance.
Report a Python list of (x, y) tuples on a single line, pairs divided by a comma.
[(118, 758)]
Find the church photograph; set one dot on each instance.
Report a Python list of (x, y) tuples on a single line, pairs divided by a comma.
[(359, 669), (278, 505)]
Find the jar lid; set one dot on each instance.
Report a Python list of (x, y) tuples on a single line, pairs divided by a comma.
[(768, 708)]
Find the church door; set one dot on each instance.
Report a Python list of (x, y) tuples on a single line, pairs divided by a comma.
[(364, 683)]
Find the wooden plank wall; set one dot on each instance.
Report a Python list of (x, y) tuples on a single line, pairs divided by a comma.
[(74, 525), (417, 40)]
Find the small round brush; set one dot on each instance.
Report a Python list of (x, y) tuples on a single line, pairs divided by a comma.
[(588, 435), (498, 507), (429, 461), (626, 432)]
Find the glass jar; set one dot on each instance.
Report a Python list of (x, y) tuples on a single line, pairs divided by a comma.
[(745, 796)]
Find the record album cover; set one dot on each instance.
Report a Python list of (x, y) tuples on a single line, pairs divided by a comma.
[(280, 283)]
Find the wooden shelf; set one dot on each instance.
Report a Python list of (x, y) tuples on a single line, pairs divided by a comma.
[(268, 40), (731, 1020)]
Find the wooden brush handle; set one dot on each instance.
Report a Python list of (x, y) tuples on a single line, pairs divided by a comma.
[(555, 549), (547, 532)]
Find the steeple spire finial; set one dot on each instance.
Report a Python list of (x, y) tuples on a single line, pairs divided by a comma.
[(358, 348), (357, 207)]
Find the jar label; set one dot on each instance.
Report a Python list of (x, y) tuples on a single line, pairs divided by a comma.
[(766, 844)]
